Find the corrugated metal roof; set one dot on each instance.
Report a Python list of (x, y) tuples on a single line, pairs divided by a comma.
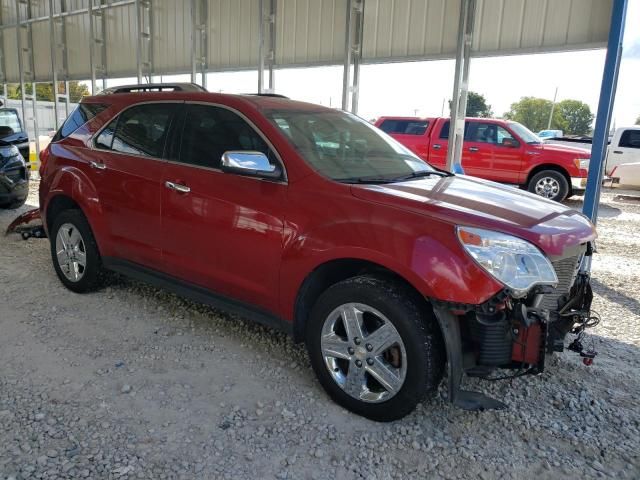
[(308, 32)]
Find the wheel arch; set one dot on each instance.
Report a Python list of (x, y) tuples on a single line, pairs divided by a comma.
[(331, 272)]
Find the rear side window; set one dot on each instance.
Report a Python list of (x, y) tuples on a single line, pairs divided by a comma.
[(140, 130), (630, 139), (210, 131), (81, 115), (404, 127), (9, 122)]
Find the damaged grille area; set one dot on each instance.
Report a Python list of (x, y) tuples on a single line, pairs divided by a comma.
[(566, 270)]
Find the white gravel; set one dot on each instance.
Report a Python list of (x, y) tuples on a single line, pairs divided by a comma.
[(132, 382)]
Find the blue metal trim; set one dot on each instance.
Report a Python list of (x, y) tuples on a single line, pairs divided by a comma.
[(605, 109)]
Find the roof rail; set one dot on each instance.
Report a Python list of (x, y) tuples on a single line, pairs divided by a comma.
[(276, 95), (154, 87)]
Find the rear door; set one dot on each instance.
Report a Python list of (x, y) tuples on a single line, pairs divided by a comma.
[(222, 231), (627, 149), (127, 166), (412, 133)]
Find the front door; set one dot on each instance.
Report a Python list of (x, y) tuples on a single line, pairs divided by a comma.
[(127, 165), (222, 231)]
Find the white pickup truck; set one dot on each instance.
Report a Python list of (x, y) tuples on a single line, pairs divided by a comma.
[(623, 157)]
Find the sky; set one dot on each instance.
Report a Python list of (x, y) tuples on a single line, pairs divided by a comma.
[(423, 88)]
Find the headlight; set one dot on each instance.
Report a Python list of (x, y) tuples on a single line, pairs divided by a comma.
[(582, 163), (513, 261)]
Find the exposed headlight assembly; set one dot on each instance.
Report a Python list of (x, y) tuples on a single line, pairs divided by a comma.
[(516, 263)]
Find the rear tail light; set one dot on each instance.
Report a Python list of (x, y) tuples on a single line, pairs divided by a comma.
[(44, 157)]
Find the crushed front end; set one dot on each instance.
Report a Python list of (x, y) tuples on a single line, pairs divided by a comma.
[(512, 333)]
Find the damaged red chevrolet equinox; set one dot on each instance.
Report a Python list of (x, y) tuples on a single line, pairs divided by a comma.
[(312, 220)]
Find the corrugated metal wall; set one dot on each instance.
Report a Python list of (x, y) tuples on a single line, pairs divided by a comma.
[(308, 32)]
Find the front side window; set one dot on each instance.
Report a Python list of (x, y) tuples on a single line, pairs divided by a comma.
[(210, 131), (488, 133), (404, 127), (444, 131), (140, 130), (9, 122), (344, 147), (630, 139)]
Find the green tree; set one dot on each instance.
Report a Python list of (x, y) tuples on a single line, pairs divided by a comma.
[(44, 91), (577, 115), (534, 113), (477, 106)]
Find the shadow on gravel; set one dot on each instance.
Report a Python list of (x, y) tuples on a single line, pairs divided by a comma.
[(605, 210), (615, 296)]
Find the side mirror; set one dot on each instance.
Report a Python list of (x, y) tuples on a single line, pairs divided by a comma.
[(249, 163), (510, 142)]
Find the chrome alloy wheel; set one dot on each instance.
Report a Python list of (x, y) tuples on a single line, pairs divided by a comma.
[(547, 187), (364, 352), (71, 252)]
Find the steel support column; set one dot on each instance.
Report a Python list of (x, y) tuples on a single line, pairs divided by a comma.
[(267, 45), (460, 85), (199, 40), (605, 109), (144, 49), (352, 55), (54, 67)]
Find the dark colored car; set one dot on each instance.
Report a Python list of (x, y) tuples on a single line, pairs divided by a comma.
[(14, 160), (313, 220)]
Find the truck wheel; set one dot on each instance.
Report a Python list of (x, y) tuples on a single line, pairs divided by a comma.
[(74, 252), (375, 347), (549, 184)]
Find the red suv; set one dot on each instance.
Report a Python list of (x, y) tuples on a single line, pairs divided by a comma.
[(312, 220)]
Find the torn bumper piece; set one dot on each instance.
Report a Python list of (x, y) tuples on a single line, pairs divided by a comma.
[(28, 225)]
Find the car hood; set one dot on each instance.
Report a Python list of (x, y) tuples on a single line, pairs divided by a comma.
[(555, 148), (460, 200)]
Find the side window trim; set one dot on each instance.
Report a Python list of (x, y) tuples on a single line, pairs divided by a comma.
[(180, 129)]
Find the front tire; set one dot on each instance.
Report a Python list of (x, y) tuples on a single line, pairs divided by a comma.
[(74, 252), (549, 184), (375, 347)]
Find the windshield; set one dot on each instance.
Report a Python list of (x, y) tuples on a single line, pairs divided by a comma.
[(9, 119), (346, 148), (524, 133)]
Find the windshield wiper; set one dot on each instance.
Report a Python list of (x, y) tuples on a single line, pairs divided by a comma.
[(424, 173), (370, 180)]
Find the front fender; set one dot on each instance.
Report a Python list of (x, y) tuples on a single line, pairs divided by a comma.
[(434, 264)]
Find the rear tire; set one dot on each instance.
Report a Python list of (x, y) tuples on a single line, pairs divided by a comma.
[(549, 184), (74, 252), (358, 373)]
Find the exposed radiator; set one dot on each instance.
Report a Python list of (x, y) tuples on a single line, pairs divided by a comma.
[(566, 270)]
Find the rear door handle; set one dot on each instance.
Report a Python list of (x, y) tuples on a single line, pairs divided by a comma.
[(97, 165), (617, 151), (437, 146), (473, 149), (177, 187)]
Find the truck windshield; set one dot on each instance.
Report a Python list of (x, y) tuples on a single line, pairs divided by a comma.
[(346, 148), (524, 133), (9, 120)]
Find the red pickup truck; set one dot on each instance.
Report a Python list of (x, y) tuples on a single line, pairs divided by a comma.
[(498, 150)]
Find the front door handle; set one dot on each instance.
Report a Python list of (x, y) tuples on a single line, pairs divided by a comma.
[(437, 146), (97, 165), (617, 151), (177, 187), (473, 149)]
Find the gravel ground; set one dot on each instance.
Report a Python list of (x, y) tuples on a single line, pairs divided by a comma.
[(133, 382)]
